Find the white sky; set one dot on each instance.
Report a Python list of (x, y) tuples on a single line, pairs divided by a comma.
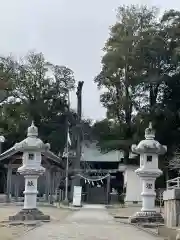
[(68, 32)]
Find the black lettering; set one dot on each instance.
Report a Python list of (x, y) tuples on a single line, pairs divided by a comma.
[(30, 183), (149, 185)]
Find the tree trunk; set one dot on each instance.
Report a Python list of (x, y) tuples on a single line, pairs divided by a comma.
[(118, 106), (153, 91)]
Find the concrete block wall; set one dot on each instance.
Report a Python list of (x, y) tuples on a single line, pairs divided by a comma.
[(171, 199)]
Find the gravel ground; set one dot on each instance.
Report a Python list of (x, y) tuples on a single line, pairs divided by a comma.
[(88, 224), (9, 232)]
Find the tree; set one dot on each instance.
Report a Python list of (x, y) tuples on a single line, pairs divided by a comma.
[(140, 75), (119, 75), (139, 70), (39, 92)]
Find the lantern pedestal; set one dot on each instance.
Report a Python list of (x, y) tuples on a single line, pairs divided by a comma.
[(148, 149), (30, 215), (31, 169), (30, 211), (147, 217)]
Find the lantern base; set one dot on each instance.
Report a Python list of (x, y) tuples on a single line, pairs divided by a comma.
[(147, 217), (29, 215)]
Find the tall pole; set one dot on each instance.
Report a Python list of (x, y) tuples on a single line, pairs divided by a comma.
[(67, 167), (66, 200), (78, 145), (76, 163)]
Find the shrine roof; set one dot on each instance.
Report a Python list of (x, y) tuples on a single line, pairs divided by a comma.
[(50, 155), (92, 153)]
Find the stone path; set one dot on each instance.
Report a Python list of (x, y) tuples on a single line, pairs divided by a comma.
[(87, 224), (94, 206)]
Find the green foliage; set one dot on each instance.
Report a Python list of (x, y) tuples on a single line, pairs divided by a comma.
[(140, 78), (38, 92), (110, 135)]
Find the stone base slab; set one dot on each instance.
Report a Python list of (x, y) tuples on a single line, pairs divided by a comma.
[(29, 215), (146, 217), (133, 204)]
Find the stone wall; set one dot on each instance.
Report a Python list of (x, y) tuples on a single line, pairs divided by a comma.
[(171, 199)]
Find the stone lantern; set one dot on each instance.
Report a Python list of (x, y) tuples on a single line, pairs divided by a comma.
[(31, 169), (149, 149)]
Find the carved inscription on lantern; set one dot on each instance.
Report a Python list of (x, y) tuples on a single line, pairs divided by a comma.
[(149, 185), (30, 184)]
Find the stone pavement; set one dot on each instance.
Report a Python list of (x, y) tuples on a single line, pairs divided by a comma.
[(87, 224)]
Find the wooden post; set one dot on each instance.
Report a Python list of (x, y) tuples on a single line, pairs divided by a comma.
[(9, 183), (57, 195), (49, 185), (54, 183), (87, 188), (108, 189), (76, 164), (79, 133), (17, 187)]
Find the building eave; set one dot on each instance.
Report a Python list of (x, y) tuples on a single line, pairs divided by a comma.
[(50, 155), (10, 152), (53, 157)]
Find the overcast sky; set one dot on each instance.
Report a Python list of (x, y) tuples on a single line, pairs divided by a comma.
[(68, 32)]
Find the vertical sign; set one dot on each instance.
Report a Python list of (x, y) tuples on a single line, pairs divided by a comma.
[(77, 196)]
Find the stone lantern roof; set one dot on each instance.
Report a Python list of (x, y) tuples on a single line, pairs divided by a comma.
[(149, 145), (32, 142)]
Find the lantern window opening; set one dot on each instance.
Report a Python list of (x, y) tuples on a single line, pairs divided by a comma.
[(149, 158), (31, 156)]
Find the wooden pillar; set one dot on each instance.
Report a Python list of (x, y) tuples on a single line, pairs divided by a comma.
[(57, 198), (51, 187), (49, 182), (4, 179), (76, 163), (9, 183), (17, 187), (108, 189), (53, 182)]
